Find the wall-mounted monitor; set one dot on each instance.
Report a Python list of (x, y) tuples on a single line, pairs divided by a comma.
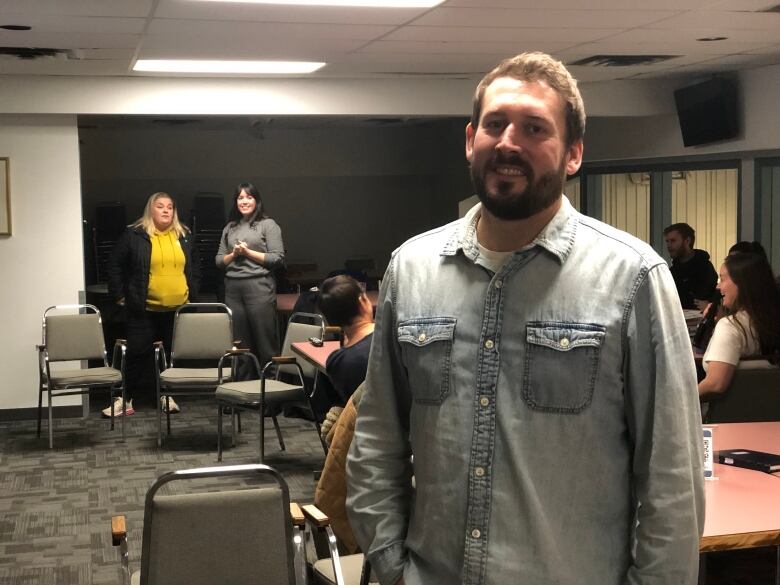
[(707, 111)]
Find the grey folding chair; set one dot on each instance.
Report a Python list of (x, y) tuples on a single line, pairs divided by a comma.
[(202, 333), (198, 535), (75, 333), (269, 393)]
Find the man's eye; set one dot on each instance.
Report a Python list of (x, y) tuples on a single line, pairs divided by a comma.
[(493, 124)]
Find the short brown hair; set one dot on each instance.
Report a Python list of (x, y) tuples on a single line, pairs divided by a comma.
[(686, 231), (539, 67)]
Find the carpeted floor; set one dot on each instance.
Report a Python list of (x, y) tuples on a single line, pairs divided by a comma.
[(56, 505)]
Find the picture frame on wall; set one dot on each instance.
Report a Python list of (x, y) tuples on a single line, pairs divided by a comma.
[(5, 198)]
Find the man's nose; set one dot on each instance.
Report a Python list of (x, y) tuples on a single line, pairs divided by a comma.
[(509, 140)]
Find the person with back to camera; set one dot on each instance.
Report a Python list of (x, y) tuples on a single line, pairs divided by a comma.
[(250, 250), (752, 326), (343, 303), (153, 270)]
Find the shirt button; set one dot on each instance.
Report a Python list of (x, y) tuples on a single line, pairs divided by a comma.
[(489, 344), (565, 342), (484, 401), (421, 338), (499, 283), (479, 471), (475, 533)]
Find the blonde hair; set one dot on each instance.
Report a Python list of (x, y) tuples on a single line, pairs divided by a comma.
[(147, 223), (539, 67)]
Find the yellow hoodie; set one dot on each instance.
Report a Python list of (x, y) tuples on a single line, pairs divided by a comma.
[(167, 283)]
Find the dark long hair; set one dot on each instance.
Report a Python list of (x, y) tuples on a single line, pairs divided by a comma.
[(235, 215), (758, 296)]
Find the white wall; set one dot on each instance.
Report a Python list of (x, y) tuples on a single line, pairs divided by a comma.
[(41, 262), (659, 135)]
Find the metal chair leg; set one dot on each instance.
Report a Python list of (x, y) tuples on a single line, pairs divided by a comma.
[(278, 432), (40, 409), (167, 415), (262, 435), (51, 424), (158, 407), (124, 405), (219, 432)]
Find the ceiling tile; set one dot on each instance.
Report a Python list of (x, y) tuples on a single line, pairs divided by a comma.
[(542, 18), (496, 34)]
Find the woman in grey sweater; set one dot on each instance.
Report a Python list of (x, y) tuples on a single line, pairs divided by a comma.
[(250, 249)]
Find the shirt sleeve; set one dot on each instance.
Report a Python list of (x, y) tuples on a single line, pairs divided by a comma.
[(726, 344), (379, 471), (664, 420), (274, 255), (222, 251)]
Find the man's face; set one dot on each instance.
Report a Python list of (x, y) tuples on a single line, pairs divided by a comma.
[(676, 245), (518, 153)]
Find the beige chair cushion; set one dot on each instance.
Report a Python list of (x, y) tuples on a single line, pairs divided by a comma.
[(351, 568), (249, 392), (187, 377), (85, 376)]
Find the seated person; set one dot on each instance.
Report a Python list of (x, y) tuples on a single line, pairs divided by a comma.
[(752, 326), (693, 274), (343, 303)]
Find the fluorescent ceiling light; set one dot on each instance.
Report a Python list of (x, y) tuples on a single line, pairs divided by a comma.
[(363, 3), (213, 66)]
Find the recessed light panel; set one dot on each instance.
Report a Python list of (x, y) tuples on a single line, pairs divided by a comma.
[(362, 3), (256, 67)]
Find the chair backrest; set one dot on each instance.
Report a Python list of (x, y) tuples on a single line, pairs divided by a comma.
[(753, 396), (301, 331), (73, 336), (236, 536), (201, 335)]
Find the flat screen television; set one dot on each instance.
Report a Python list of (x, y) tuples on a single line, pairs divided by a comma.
[(707, 111)]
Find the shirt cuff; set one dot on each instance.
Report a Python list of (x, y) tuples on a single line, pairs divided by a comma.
[(388, 563)]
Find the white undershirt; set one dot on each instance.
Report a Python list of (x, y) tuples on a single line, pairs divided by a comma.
[(492, 260)]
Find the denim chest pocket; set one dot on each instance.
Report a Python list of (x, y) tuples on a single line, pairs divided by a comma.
[(426, 347), (561, 364)]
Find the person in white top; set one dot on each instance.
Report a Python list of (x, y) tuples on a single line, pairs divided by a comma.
[(752, 298)]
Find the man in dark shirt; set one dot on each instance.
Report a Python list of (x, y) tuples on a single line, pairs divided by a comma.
[(692, 270), (344, 304)]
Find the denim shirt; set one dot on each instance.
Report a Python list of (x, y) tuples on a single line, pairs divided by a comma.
[(551, 410)]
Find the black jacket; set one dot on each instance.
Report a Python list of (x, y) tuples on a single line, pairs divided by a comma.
[(695, 279), (128, 270)]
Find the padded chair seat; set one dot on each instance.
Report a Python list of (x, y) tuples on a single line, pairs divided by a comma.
[(249, 392), (101, 375), (351, 567), (188, 377)]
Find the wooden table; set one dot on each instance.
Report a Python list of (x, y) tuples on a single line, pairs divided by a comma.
[(743, 506), (317, 356)]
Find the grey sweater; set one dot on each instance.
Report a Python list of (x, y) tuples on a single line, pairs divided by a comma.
[(264, 235)]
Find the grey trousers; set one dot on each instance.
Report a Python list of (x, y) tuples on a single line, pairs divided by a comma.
[(253, 302)]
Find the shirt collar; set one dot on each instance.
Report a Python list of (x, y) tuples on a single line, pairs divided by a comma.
[(557, 237)]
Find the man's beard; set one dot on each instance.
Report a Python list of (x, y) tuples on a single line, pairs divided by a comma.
[(539, 194)]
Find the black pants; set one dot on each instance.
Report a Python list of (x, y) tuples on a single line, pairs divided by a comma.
[(142, 331), (253, 303)]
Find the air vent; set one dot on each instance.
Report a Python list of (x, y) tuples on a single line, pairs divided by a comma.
[(30, 53), (622, 60)]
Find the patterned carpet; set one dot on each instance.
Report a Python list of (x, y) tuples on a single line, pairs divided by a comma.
[(56, 505)]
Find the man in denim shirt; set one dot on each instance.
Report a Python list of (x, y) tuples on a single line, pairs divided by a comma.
[(536, 364)]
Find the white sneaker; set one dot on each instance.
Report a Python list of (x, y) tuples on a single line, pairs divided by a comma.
[(118, 408), (174, 408)]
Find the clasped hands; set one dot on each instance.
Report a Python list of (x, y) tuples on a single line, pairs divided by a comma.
[(241, 248)]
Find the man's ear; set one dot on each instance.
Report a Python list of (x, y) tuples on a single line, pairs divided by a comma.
[(574, 157), (470, 131)]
